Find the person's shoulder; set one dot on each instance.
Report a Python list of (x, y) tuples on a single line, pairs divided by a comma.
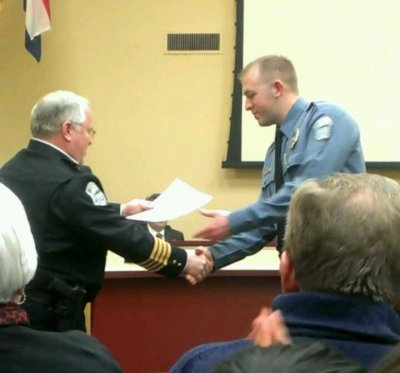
[(328, 112), (71, 351), (176, 233), (88, 350), (168, 227), (82, 184), (83, 175), (329, 107)]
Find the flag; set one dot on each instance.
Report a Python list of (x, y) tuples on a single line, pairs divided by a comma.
[(37, 21)]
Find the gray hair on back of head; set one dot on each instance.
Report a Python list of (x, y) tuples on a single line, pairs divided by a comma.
[(55, 108), (343, 235)]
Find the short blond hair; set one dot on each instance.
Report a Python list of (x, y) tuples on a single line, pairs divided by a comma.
[(274, 66)]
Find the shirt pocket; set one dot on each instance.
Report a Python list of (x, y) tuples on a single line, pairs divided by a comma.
[(294, 161), (268, 184)]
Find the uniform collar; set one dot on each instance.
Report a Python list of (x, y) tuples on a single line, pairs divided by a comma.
[(352, 313), (154, 232), (290, 121), (34, 139)]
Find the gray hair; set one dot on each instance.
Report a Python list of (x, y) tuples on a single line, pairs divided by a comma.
[(55, 108), (343, 234), (18, 258)]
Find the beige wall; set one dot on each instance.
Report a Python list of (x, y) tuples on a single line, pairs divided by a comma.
[(157, 116)]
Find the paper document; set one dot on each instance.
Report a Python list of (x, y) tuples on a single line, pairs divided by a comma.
[(177, 200)]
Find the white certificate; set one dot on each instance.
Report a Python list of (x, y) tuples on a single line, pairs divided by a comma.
[(177, 200)]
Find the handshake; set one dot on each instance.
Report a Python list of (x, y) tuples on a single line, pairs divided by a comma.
[(199, 264)]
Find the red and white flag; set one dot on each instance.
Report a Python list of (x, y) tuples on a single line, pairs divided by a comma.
[(37, 19)]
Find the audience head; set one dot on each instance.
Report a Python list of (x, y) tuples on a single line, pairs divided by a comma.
[(64, 119), (152, 197), (18, 258), (302, 357), (269, 85), (343, 235)]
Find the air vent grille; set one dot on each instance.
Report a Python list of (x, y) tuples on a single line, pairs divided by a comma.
[(193, 42)]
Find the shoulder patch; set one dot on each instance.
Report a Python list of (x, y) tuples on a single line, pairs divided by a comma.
[(322, 128), (97, 196)]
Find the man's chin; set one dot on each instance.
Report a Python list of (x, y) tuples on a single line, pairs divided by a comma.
[(263, 124)]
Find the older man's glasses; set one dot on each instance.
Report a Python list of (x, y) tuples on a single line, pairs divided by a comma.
[(91, 131)]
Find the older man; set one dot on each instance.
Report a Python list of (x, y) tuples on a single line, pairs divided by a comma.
[(72, 221), (339, 273)]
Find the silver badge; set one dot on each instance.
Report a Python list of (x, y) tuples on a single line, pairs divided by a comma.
[(94, 192), (295, 137)]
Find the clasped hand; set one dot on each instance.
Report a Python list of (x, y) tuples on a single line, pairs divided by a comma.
[(269, 328), (199, 264)]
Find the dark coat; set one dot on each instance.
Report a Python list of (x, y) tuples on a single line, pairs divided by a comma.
[(73, 224), (23, 349), (362, 329), (173, 234)]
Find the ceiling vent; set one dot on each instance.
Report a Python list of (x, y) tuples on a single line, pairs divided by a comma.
[(193, 43)]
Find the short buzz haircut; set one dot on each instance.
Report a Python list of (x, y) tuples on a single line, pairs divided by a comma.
[(343, 235), (55, 108), (274, 67)]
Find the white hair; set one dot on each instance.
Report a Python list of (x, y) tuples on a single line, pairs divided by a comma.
[(18, 257), (53, 109)]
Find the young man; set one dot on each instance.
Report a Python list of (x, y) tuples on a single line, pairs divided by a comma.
[(313, 139)]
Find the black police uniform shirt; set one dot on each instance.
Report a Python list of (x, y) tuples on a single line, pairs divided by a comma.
[(73, 224)]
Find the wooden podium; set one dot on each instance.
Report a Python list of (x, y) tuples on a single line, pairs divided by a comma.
[(148, 321)]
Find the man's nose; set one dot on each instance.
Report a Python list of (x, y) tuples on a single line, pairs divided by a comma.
[(248, 105)]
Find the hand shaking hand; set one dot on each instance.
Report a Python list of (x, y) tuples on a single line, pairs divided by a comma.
[(200, 263)]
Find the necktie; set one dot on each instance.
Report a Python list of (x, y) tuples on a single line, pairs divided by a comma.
[(278, 176), (160, 236)]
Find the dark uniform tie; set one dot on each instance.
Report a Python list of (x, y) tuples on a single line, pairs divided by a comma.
[(160, 236), (278, 177)]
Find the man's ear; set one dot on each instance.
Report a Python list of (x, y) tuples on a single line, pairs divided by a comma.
[(277, 87), (66, 128), (288, 277)]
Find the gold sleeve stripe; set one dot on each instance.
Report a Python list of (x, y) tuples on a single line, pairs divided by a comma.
[(159, 256), (159, 252)]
